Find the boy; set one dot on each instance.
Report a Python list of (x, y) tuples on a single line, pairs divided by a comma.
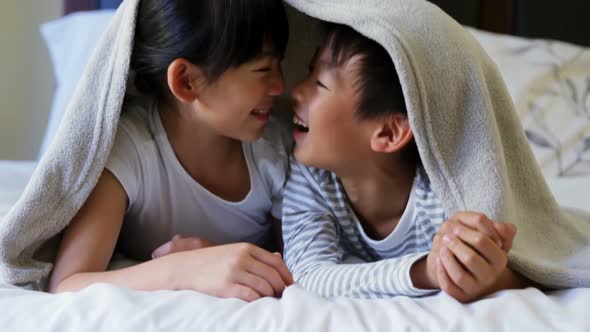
[(357, 189)]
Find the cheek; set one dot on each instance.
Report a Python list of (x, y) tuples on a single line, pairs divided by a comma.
[(238, 102), (328, 130), (328, 118)]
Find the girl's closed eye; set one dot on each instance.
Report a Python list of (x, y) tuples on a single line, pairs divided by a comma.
[(321, 85), (263, 69), (263, 66), (266, 65)]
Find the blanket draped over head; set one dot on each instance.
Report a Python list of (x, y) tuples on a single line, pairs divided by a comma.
[(469, 136)]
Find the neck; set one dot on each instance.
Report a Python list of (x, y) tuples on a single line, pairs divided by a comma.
[(191, 139), (379, 194)]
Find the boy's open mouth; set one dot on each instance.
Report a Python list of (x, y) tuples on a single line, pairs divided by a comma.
[(300, 125)]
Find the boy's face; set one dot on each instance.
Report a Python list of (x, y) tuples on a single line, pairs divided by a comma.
[(328, 134)]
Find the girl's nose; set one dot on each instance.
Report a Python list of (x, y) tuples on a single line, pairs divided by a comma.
[(277, 85)]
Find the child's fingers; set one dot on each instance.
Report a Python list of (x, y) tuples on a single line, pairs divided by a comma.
[(479, 242), (507, 231), (445, 282), (457, 273), (275, 261), (162, 250), (268, 273), (480, 222), (463, 249), (256, 283), (242, 292), (494, 256)]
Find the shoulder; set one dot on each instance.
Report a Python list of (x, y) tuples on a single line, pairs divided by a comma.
[(422, 183), (312, 188), (426, 198), (136, 120), (134, 147), (319, 179)]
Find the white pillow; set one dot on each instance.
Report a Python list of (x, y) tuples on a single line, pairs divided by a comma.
[(550, 84), (71, 41)]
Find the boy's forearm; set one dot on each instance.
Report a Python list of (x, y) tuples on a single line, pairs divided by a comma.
[(350, 280)]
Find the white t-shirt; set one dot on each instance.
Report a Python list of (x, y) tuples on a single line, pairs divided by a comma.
[(164, 200)]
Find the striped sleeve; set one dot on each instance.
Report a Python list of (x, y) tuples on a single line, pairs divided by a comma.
[(314, 254)]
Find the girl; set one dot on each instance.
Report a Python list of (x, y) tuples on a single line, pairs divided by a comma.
[(195, 154)]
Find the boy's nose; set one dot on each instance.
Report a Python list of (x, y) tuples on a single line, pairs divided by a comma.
[(297, 92)]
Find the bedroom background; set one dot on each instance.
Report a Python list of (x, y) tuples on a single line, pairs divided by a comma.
[(541, 74), (26, 83), (549, 81)]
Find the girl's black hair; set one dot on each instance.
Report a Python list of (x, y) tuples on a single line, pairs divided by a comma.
[(377, 82), (213, 34)]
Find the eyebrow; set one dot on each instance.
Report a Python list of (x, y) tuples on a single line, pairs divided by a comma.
[(270, 53), (314, 59)]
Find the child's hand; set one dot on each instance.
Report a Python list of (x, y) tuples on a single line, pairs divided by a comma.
[(238, 270), (472, 254), (181, 243)]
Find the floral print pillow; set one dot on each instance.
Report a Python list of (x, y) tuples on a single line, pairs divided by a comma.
[(550, 84)]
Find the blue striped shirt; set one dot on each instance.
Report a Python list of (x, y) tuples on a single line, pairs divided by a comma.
[(322, 235)]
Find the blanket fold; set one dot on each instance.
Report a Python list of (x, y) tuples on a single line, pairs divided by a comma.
[(70, 168), (468, 134)]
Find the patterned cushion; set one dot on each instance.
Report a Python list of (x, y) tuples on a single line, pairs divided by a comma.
[(550, 84)]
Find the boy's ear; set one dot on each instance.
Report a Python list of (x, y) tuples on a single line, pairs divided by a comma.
[(391, 135), (184, 80)]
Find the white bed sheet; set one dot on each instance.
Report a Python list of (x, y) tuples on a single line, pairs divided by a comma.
[(108, 308)]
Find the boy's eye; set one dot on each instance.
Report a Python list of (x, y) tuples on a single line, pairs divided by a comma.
[(263, 70)]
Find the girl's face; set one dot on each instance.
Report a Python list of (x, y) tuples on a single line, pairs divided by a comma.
[(238, 104), (328, 134)]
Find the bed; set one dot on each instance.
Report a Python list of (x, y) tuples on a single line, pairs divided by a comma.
[(550, 84)]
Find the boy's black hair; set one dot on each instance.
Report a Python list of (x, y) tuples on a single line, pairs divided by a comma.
[(213, 34), (380, 92), (377, 83)]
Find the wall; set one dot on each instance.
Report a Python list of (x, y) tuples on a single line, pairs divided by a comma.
[(26, 77)]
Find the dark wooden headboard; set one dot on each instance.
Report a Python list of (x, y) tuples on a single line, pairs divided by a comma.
[(566, 20), (528, 18), (491, 15), (72, 6)]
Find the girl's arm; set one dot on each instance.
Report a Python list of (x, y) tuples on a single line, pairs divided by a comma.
[(237, 270), (89, 242)]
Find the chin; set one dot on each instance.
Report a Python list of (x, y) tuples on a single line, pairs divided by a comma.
[(251, 136), (304, 158)]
